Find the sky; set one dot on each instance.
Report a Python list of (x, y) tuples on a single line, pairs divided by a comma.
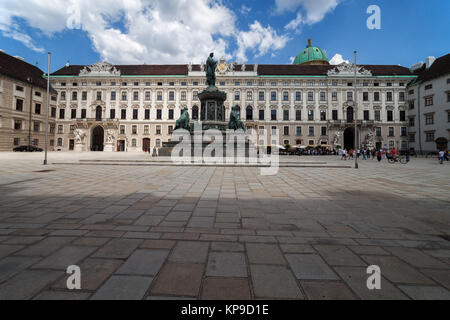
[(250, 31)]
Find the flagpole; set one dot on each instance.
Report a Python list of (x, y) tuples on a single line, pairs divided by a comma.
[(46, 116)]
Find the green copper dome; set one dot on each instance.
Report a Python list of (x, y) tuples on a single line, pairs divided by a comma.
[(311, 55)]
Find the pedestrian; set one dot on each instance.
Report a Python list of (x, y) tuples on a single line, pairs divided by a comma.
[(374, 153), (358, 153), (364, 154), (379, 155), (441, 156), (368, 154)]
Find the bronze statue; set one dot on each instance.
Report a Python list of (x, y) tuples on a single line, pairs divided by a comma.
[(235, 123), (211, 65), (183, 121)]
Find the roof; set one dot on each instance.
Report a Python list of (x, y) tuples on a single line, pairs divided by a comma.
[(439, 68), (20, 70), (310, 54), (263, 70)]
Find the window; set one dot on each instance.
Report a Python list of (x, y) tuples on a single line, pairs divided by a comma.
[(334, 114), (62, 113), (170, 114), (323, 131), (428, 87), (378, 131), (323, 96), (84, 95), (298, 115), (71, 128), (19, 105), (99, 95), (195, 112), (334, 96), (17, 124), (389, 96), (403, 131), (429, 136), (195, 95), (170, 129), (158, 143), (412, 121), (349, 95), (376, 96), (124, 96), (365, 96), (402, 115), (16, 141), (334, 83), (401, 96), (411, 91), (412, 137), (428, 101), (73, 113), (37, 94), (60, 129), (133, 143), (147, 95), (123, 114), (113, 96), (171, 95), (310, 96), (411, 104), (159, 95), (146, 131), (429, 118), (159, 114), (323, 115), (63, 96), (273, 96), (135, 84), (366, 115), (134, 129), (286, 130), (261, 95), (261, 114), (298, 131), (448, 96), (377, 115), (237, 95), (19, 88), (310, 115), (448, 116), (285, 96), (112, 113), (311, 131), (98, 83), (249, 113), (273, 114), (135, 114), (53, 112), (135, 96), (122, 129), (391, 132), (113, 83), (158, 129), (349, 84), (159, 84), (249, 95), (183, 96), (74, 96), (376, 84), (60, 142), (147, 114), (36, 126), (124, 84), (365, 84), (390, 115), (286, 115)]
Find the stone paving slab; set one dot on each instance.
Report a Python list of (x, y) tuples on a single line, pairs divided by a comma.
[(193, 232)]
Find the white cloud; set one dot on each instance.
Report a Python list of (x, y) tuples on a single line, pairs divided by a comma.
[(24, 38), (315, 10), (338, 59), (138, 31), (244, 10), (260, 40)]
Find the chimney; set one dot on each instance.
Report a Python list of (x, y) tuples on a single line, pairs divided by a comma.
[(429, 61)]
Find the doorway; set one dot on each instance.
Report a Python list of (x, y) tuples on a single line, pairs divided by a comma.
[(349, 138), (146, 144), (120, 145), (71, 144), (98, 137)]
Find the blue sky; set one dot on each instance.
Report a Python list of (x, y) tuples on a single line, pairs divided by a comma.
[(252, 31)]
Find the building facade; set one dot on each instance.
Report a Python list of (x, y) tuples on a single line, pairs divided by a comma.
[(429, 104), (23, 96), (103, 107)]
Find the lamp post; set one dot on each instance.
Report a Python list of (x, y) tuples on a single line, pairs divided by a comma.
[(46, 115), (356, 119)]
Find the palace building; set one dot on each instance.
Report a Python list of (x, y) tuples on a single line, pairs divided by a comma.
[(104, 107)]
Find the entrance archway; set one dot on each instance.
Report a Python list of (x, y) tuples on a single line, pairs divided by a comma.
[(98, 136), (349, 138)]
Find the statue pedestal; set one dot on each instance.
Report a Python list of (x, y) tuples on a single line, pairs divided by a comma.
[(109, 147), (212, 113), (79, 147)]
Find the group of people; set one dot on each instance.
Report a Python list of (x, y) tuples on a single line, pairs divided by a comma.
[(367, 153)]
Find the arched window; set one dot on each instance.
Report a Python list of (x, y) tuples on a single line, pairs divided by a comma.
[(350, 114), (195, 112), (238, 112), (98, 113), (249, 113)]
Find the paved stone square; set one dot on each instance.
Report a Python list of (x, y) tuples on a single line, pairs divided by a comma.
[(142, 231)]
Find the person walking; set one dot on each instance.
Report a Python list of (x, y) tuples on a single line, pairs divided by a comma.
[(379, 156), (441, 156)]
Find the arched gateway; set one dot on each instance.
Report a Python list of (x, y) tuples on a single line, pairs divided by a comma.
[(98, 138)]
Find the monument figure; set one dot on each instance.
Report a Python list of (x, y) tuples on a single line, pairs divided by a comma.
[(211, 65), (183, 121), (235, 123)]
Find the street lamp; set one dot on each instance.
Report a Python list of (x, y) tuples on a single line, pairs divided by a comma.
[(356, 120), (48, 101)]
